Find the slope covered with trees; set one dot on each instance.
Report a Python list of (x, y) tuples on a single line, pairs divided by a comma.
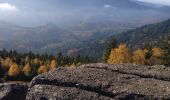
[(23, 67), (148, 35), (123, 55)]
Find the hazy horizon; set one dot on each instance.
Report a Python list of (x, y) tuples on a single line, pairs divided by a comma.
[(64, 12)]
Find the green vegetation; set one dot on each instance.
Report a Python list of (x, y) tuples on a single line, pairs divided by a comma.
[(148, 45), (110, 45), (15, 66), (148, 35), (146, 38), (165, 45)]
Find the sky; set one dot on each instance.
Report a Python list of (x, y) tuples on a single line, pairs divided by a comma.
[(36, 12), (158, 2)]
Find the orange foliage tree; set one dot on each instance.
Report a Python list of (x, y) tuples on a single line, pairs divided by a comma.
[(8, 62), (53, 64), (14, 70), (157, 53), (42, 69)]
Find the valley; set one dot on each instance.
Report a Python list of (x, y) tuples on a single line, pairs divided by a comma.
[(84, 49)]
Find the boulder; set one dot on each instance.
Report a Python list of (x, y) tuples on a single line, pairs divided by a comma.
[(13, 91), (102, 82)]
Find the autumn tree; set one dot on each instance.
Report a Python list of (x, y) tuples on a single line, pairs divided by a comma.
[(53, 64), (8, 62), (119, 55), (27, 59), (27, 69), (73, 65), (14, 70), (36, 61), (157, 53), (42, 69), (139, 56)]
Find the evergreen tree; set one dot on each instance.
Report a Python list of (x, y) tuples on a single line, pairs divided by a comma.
[(60, 59), (165, 45), (111, 45)]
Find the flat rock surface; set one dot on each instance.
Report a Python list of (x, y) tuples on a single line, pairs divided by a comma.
[(102, 82)]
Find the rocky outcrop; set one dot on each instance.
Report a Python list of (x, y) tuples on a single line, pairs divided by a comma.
[(102, 82), (93, 82), (13, 91)]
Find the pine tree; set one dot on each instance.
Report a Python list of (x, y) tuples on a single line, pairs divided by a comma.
[(165, 45), (60, 59), (111, 45)]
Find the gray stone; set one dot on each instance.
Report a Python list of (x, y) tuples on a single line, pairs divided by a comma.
[(102, 82), (13, 91)]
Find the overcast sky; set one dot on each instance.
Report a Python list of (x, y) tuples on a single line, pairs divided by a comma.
[(43, 11), (159, 2)]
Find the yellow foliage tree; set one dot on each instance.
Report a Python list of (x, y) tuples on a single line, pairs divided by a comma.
[(42, 69), (157, 52), (139, 57), (27, 59), (78, 64), (27, 69), (157, 55), (119, 55), (53, 64), (36, 61), (13, 70), (145, 51), (73, 65), (8, 62)]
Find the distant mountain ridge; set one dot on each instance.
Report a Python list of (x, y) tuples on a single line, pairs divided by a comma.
[(24, 38), (146, 35), (141, 37), (51, 39)]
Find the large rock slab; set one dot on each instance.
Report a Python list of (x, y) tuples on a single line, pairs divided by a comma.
[(13, 91), (102, 82)]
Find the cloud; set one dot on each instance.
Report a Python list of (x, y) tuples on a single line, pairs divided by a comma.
[(107, 6), (7, 7), (157, 2)]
